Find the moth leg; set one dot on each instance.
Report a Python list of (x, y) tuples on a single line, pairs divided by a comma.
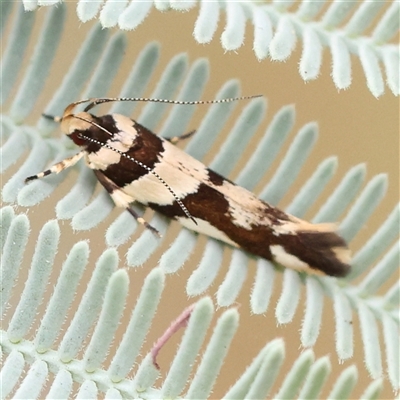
[(57, 168), (121, 199), (176, 139)]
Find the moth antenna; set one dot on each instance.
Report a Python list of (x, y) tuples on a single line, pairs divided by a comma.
[(95, 102), (181, 205)]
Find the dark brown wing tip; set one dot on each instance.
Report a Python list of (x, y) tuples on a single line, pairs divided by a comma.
[(313, 251), (325, 251)]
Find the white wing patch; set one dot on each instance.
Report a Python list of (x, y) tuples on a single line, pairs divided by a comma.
[(121, 141), (245, 208), (207, 229), (290, 261), (127, 133), (180, 171), (102, 159)]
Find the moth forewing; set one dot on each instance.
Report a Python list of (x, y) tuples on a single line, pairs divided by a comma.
[(134, 164)]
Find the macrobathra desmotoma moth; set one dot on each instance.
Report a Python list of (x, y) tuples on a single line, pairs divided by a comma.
[(134, 164)]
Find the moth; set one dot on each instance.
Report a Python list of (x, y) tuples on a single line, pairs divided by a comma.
[(134, 164)]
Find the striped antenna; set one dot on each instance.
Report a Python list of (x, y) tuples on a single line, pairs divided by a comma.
[(95, 102)]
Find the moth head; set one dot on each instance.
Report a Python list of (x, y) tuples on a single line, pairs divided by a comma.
[(70, 123), (75, 125)]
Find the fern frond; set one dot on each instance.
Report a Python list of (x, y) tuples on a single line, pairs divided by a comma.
[(28, 148), (364, 29), (102, 305), (55, 367)]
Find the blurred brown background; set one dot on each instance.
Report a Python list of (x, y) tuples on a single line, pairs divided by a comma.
[(353, 124)]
